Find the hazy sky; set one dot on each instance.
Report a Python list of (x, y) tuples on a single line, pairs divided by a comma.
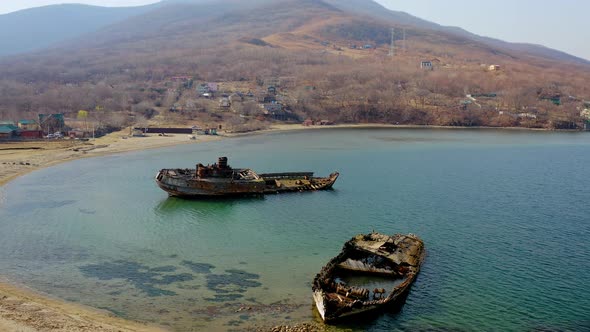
[(557, 24)]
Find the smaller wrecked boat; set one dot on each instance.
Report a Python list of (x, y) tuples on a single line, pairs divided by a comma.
[(220, 179), (371, 272)]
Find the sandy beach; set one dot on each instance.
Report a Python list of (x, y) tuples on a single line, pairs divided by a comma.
[(19, 158), (27, 311)]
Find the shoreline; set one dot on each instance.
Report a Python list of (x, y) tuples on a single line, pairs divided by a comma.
[(114, 144), (43, 154), (27, 310)]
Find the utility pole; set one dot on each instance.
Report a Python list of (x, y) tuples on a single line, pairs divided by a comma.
[(392, 49), (405, 48)]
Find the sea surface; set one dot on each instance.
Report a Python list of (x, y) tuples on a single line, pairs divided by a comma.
[(505, 216)]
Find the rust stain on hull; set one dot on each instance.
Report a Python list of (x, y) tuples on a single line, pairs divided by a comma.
[(222, 180), (396, 258)]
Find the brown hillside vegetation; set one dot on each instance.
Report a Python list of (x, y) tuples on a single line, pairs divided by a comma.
[(315, 55)]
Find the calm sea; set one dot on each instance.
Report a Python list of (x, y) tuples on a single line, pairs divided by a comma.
[(505, 216)]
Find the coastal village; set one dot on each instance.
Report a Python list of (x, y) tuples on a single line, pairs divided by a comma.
[(206, 108), (223, 248), (201, 111), (266, 105)]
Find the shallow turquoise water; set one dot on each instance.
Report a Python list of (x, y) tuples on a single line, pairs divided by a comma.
[(504, 215)]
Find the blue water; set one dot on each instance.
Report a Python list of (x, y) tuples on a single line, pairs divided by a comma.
[(504, 215)]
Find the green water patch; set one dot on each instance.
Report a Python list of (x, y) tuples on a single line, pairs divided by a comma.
[(87, 211), (58, 254), (48, 204), (141, 276), (227, 287), (231, 285), (201, 268)]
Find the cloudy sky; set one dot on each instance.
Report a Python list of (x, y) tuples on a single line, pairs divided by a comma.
[(557, 24)]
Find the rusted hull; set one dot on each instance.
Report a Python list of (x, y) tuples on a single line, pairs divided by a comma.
[(329, 316), (187, 187), (294, 184), (180, 183), (399, 257)]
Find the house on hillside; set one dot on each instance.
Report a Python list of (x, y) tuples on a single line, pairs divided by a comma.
[(224, 102), (8, 123), (138, 132), (207, 90), (51, 123), (28, 125), (555, 99), (31, 134), (426, 65), (202, 88), (268, 99), (279, 112), (494, 68), (7, 131)]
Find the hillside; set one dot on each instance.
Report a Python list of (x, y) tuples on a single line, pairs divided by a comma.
[(373, 9), (328, 59)]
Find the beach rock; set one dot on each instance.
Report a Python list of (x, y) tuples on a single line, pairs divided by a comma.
[(304, 327), (300, 328)]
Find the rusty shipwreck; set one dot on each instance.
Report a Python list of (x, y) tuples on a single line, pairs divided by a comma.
[(371, 272), (220, 179)]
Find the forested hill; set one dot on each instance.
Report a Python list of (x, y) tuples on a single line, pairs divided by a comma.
[(327, 59)]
